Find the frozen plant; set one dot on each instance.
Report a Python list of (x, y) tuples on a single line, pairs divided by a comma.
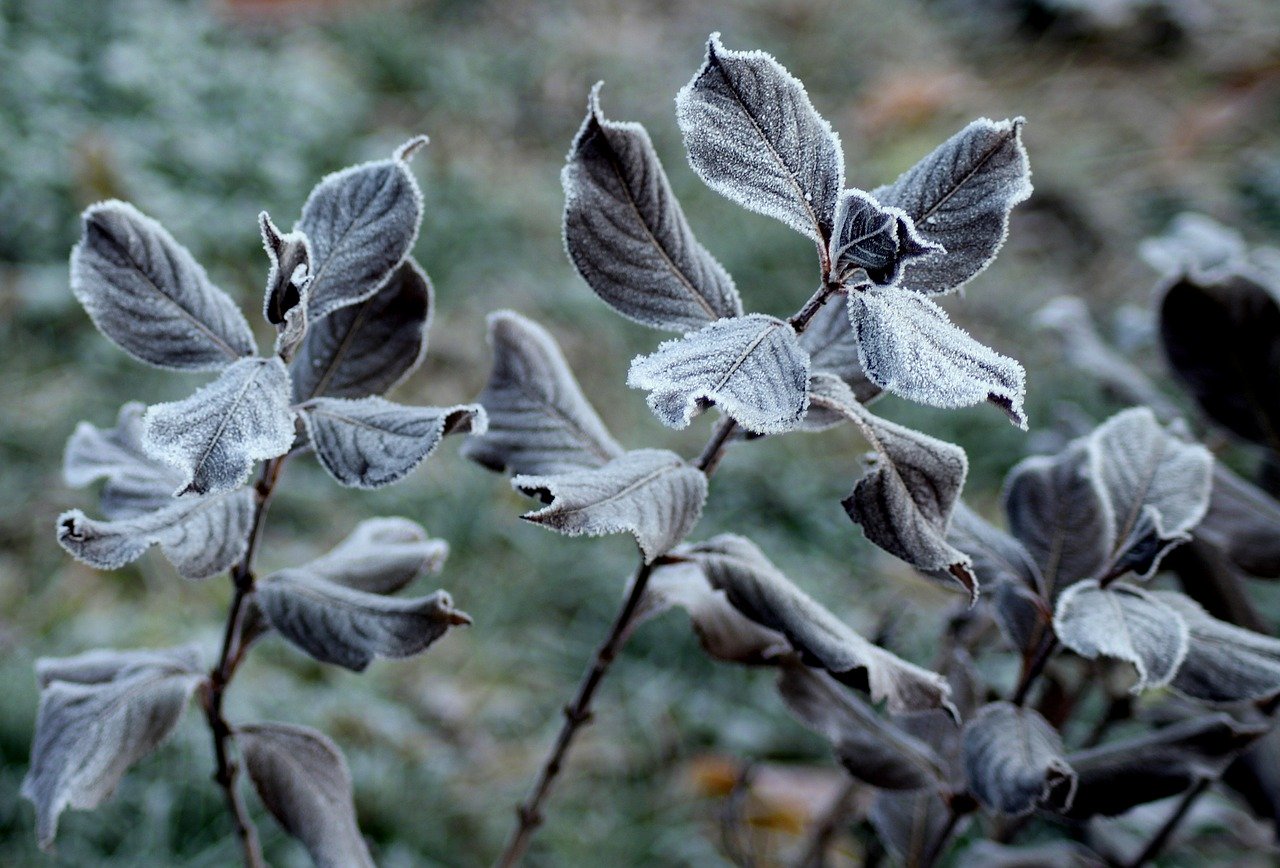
[(350, 309)]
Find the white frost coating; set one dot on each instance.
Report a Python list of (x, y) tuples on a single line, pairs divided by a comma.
[(289, 274), (754, 137), (1126, 623), (539, 420), (147, 293), (1224, 663), (136, 483), (832, 345), (910, 347), (380, 556), (627, 235), (1014, 761), (214, 437), (372, 442), (960, 196), (752, 367), (1197, 245), (651, 494), (874, 242)]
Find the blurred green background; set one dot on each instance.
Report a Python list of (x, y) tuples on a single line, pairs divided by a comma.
[(203, 113)]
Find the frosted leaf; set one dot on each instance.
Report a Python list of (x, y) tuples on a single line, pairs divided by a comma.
[(873, 242), (88, 733), (1224, 663), (1126, 623), (870, 748), (1062, 517), (146, 292), (136, 483), (960, 196), (908, 823), (539, 420), (200, 536), (381, 556), (214, 436), (754, 137), (1157, 487), (1197, 245), (752, 367), (371, 442), (339, 625), (1124, 774), (833, 348), (627, 235), (303, 779), (904, 500), (760, 591), (1014, 761), (101, 665), (361, 223), (1243, 522), (370, 347), (651, 494), (911, 348), (290, 271)]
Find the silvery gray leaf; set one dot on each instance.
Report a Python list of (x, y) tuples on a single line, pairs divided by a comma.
[(336, 624), (361, 223), (754, 137), (147, 293), (833, 348), (627, 235), (908, 823), (290, 271), (1121, 775), (1126, 623), (872, 242), (1197, 245), (370, 347), (911, 348), (1014, 761), (904, 501), (372, 442), (651, 494), (136, 483), (200, 536), (1224, 663), (214, 437), (870, 748), (381, 556), (752, 367), (1057, 510), (1157, 486), (760, 591), (960, 196), (303, 779), (1243, 522), (540, 423), (92, 727)]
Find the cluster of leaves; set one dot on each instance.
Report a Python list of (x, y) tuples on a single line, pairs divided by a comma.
[(351, 311)]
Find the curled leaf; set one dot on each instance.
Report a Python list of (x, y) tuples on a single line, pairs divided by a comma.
[(1014, 761), (290, 272), (136, 483), (380, 556), (874, 240), (1224, 663)]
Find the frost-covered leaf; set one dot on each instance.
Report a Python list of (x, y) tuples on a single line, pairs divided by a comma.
[(290, 272), (1014, 761), (1156, 484), (336, 624), (302, 778), (380, 556), (627, 235), (1224, 663), (760, 591), (1196, 245), (752, 367), (147, 293), (754, 137), (1221, 337), (539, 420), (1123, 622), (200, 536), (214, 437), (92, 727), (911, 348), (367, 348), (960, 196), (371, 442), (908, 823), (1059, 513), (873, 240), (1243, 522), (1116, 777), (135, 483), (833, 348), (101, 665), (651, 494), (870, 748), (360, 222), (904, 501)]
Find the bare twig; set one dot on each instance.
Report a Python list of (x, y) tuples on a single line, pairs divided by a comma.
[(1033, 671), (959, 806), (827, 826), (1161, 838)]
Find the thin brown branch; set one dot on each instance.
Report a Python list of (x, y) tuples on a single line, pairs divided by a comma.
[(959, 806), (1161, 837), (1033, 671)]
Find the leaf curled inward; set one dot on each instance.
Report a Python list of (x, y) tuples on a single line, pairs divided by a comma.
[(874, 240), (1014, 761)]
